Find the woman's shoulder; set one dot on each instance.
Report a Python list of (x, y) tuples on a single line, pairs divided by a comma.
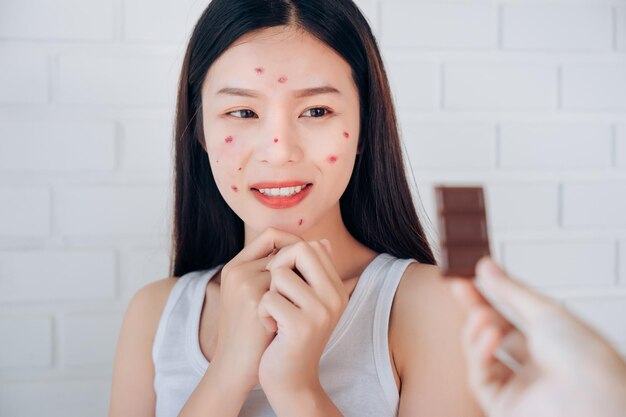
[(423, 304), (421, 292), (425, 338), (147, 305), (155, 293)]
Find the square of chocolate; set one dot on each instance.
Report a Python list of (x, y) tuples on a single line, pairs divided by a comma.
[(464, 236)]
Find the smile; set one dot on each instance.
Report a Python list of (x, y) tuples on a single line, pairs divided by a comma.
[(283, 197)]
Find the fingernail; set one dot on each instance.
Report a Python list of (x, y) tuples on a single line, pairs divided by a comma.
[(326, 243), (488, 268), (268, 265)]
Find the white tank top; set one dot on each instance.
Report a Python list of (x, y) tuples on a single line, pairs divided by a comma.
[(355, 369)]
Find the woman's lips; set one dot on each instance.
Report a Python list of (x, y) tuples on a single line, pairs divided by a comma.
[(281, 202)]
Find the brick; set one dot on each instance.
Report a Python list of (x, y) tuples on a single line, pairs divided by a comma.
[(115, 210), (56, 275), (142, 266), (555, 146), (594, 204), (561, 264), (26, 342), (143, 19), (24, 211), (499, 86), (432, 25), (449, 146), (594, 86), (147, 145), (23, 78), (557, 27), (606, 314), (58, 19), (522, 206), (414, 85), (60, 398), (37, 146), (89, 339), (116, 79)]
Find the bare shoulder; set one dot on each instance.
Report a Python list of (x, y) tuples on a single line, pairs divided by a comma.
[(152, 297), (132, 392), (425, 338)]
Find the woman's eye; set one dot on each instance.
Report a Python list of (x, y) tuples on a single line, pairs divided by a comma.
[(319, 112), (244, 112), (315, 112)]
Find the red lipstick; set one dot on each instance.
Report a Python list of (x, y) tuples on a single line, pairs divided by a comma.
[(280, 202)]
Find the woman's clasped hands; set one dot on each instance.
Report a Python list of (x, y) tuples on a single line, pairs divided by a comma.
[(280, 300)]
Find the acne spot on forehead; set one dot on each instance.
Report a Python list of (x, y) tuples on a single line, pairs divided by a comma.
[(259, 70), (275, 140), (346, 135), (282, 79), (332, 159), (300, 222), (234, 188), (228, 139)]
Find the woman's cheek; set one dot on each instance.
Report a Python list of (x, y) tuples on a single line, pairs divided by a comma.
[(226, 158), (337, 150)]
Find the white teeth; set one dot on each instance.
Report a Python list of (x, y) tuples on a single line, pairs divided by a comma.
[(283, 192)]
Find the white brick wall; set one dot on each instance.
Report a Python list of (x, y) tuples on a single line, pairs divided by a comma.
[(527, 98), (558, 27)]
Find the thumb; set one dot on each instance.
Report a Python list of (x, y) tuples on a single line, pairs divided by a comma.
[(518, 303)]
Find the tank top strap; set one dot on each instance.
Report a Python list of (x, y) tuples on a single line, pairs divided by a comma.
[(388, 286), (180, 301)]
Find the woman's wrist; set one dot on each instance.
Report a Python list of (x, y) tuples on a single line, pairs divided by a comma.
[(307, 401)]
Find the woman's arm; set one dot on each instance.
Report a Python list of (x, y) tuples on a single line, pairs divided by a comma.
[(425, 334), (132, 390)]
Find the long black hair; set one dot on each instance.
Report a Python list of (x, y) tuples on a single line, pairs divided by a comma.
[(376, 207)]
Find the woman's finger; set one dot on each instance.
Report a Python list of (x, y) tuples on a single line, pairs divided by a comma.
[(264, 244), (303, 258), (276, 307), (293, 288)]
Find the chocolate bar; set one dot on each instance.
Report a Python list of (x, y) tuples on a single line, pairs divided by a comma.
[(463, 230)]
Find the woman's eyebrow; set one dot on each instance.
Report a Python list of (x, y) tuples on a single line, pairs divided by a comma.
[(306, 92)]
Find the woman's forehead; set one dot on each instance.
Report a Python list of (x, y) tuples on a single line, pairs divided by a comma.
[(263, 58)]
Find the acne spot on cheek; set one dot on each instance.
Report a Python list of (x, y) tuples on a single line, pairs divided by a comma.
[(346, 135), (332, 159), (275, 140), (300, 222), (234, 187), (228, 139), (282, 79), (259, 70)]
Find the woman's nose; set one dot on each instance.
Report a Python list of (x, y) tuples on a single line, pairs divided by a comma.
[(280, 144)]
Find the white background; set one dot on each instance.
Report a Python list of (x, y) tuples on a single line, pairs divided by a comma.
[(527, 98)]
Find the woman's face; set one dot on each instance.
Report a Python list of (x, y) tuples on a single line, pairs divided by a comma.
[(261, 126)]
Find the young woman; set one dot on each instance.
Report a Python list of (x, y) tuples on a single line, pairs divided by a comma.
[(287, 150)]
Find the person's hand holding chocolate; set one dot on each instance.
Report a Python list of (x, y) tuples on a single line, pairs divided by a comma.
[(564, 368)]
